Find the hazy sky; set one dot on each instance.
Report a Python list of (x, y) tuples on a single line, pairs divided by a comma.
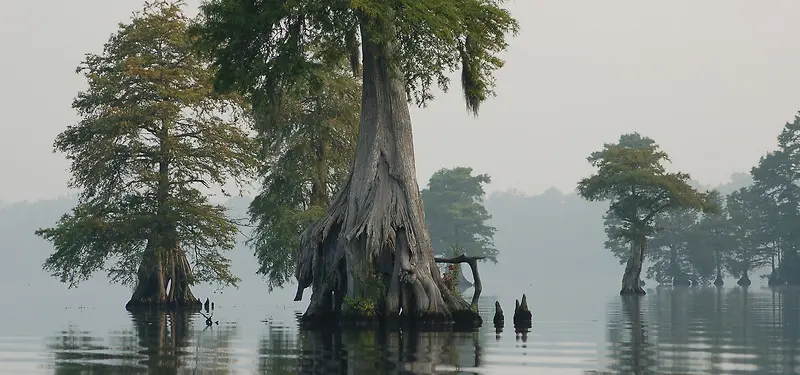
[(712, 81)]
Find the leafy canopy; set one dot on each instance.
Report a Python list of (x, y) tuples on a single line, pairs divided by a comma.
[(672, 248), (775, 183), (745, 250), (263, 46), (152, 132), (776, 177), (308, 152), (630, 175), (455, 215)]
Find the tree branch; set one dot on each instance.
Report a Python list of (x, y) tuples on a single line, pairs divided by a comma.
[(655, 212), (473, 265), (192, 134), (190, 181)]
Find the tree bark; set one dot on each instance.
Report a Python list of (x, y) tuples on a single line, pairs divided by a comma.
[(319, 187), (164, 276), (631, 279), (473, 265), (163, 280), (372, 248)]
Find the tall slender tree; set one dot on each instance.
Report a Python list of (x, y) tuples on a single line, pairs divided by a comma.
[(371, 245), (152, 133), (745, 252)]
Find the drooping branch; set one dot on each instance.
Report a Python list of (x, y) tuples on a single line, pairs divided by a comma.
[(473, 265)]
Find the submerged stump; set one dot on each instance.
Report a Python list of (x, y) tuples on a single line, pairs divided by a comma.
[(499, 319), (523, 319)]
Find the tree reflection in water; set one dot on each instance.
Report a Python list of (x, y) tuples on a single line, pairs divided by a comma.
[(338, 351), (160, 342), (706, 330)]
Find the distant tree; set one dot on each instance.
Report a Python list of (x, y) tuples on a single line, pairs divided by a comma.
[(455, 215), (370, 253), (671, 247), (711, 244), (152, 133), (776, 177), (745, 251), (308, 143), (638, 187)]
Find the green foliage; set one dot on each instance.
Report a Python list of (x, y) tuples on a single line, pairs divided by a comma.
[(308, 146), (359, 306), (775, 184), (452, 277), (671, 248), (710, 240), (263, 47), (152, 131), (373, 291), (455, 215), (630, 175)]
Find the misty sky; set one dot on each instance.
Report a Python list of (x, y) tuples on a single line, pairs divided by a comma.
[(712, 81)]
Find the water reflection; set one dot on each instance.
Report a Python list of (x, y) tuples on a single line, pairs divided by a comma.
[(709, 331), (337, 351), (159, 343), (669, 331)]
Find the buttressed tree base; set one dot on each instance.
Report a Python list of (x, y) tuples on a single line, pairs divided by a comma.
[(163, 281)]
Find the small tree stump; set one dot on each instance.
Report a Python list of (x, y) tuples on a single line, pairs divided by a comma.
[(499, 319), (522, 314)]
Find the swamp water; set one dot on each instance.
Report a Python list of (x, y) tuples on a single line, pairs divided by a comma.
[(669, 331)]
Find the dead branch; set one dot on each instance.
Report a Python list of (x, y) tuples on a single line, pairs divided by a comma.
[(473, 265)]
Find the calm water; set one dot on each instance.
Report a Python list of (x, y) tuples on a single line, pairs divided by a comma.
[(681, 331)]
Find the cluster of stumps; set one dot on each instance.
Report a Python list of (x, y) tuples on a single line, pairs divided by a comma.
[(523, 319)]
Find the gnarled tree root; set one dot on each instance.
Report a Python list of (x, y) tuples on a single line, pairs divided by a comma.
[(353, 284)]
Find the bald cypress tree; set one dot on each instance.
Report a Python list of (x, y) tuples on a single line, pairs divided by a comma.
[(370, 254), (152, 133)]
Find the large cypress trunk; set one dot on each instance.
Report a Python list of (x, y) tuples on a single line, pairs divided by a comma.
[(631, 280), (370, 255), (164, 279)]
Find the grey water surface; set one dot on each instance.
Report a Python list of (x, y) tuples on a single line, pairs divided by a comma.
[(669, 331)]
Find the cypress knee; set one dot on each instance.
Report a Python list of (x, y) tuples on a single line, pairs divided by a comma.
[(522, 315), (499, 319)]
